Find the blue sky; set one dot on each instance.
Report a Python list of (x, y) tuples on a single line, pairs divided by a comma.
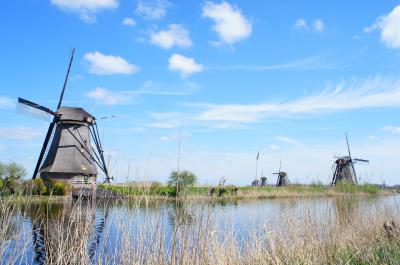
[(282, 78)]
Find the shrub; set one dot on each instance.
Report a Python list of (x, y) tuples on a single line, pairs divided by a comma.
[(35, 187), (59, 189)]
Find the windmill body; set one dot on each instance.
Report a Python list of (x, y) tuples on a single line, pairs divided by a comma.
[(344, 168), (70, 153), (283, 179), (72, 150)]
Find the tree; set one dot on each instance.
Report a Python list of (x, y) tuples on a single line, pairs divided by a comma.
[(11, 175), (181, 179)]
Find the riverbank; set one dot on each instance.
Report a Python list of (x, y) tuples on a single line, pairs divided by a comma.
[(233, 192), (202, 193)]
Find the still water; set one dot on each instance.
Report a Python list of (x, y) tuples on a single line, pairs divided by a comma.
[(112, 225)]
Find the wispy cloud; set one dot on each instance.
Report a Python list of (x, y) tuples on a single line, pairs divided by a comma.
[(315, 62), (374, 92), (300, 24), (87, 9), (6, 102), (21, 133), (165, 120), (287, 140), (120, 97), (174, 137), (391, 129), (128, 21), (152, 9), (318, 25)]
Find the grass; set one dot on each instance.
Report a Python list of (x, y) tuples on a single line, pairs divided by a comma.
[(248, 192), (65, 232)]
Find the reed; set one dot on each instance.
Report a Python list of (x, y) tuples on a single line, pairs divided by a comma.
[(69, 233)]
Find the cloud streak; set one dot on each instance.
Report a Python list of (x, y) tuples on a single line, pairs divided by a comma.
[(374, 92), (315, 62), (150, 88)]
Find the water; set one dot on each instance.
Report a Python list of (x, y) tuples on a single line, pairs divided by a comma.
[(112, 225)]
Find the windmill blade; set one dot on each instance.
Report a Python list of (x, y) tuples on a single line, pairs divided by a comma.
[(361, 160), (44, 148), (348, 146), (280, 166), (33, 109), (66, 78)]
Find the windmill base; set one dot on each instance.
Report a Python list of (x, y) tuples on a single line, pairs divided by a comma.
[(78, 185)]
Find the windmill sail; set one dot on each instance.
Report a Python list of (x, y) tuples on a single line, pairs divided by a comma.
[(30, 108)]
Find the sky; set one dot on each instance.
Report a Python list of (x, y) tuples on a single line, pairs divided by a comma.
[(230, 79)]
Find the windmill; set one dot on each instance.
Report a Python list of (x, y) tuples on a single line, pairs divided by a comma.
[(282, 179), (344, 167), (67, 153)]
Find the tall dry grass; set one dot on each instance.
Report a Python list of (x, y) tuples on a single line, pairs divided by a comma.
[(81, 233)]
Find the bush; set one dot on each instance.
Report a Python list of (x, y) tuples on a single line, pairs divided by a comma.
[(35, 187), (59, 189)]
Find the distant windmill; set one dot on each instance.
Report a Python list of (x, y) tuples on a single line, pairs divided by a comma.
[(70, 156), (283, 179), (263, 179), (344, 167)]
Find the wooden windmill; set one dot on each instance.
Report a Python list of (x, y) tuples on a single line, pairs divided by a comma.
[(283, 179), (72, 150), (344, 167)]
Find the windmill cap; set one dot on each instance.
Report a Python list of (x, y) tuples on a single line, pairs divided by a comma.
[(74, 114)]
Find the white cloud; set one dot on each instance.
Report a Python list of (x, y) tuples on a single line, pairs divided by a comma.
[(128, 21), (101, 64), (371, 93), (21, 133), (185, 65), (152, 9), (300, 24), (108, 97), (319, 25), (391, 129), (389, 25), (86, 9), (6, 102), (176, 35), (230, 24)]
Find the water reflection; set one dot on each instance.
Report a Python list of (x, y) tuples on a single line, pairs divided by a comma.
[(96, 230), (59, 226), (345, 209)]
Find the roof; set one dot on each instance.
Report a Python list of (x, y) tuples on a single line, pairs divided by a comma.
[(74, 114)]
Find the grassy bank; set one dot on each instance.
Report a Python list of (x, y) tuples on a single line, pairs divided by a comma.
[(291, 191)]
